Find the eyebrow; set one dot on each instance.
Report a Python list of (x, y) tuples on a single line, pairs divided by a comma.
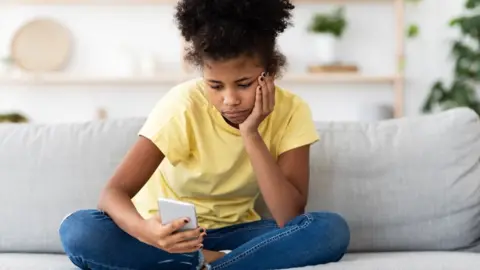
[(237, 81)]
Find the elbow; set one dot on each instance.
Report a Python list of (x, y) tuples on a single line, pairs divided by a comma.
[(102, 200), (295, 212)]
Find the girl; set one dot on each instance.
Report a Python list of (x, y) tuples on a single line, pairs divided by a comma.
[(217, 142)]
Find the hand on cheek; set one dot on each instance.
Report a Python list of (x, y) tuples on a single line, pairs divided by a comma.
[(264, 104)]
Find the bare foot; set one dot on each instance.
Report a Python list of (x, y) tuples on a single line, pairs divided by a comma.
[(211, 256)]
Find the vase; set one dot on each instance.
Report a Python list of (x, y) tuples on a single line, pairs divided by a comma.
[(325, 48)]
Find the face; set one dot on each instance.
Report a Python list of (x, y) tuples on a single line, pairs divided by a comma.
[(231, 86)]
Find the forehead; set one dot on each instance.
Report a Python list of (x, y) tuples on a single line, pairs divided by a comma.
[(231, 69)]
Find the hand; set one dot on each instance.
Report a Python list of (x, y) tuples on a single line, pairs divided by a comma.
[(166, 238), (264, 104)]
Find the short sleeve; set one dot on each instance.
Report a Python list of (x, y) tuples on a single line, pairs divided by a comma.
[(167, 127), (300, 129)]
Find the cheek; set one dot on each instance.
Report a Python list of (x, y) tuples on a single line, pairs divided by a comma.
[(248, 97), (214, 97)]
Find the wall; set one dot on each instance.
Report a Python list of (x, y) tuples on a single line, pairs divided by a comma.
[(105, 38)]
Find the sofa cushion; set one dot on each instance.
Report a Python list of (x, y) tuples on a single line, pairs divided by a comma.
[(403, 260), (48, 171), (402, 184), (358, 261), (35, 261)]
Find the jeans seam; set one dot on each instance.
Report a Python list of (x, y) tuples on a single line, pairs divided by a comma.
[(242, 229), (101, 265), (265, 242)]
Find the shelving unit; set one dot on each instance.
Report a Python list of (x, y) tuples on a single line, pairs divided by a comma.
[(396, 80), (53, 79), (143, 2)]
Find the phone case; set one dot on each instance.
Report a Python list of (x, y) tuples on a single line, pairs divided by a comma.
[(171, 210)]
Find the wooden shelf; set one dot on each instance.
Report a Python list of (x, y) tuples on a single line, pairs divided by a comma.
[(177, 78), (155, 2), (89, 2)]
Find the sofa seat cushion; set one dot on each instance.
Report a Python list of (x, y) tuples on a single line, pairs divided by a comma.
[(404, 260), (25, 261), (352, 261)]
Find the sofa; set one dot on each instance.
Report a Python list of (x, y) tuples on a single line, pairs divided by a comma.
[(409, 187)]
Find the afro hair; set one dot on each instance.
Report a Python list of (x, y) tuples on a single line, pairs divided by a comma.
[(224, 29)]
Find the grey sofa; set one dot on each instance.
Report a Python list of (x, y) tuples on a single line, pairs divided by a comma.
[(409, 188)]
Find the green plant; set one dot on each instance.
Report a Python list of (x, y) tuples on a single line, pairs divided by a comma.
[(413, 29), (329, 23), (461, 92), (7, 60), (13, 118)]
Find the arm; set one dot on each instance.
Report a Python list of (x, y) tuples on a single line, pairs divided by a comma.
[(284, 184), (286, 179), (132, 174)]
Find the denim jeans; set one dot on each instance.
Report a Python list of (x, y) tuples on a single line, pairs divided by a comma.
[(92, 240)]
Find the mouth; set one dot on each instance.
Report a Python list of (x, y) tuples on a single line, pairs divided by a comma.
[(235, 116)]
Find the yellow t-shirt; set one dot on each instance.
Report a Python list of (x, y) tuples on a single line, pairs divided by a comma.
[(206, 163)]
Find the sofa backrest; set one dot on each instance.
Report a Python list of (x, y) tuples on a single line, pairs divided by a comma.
[(48, 171), (403, 184), (409, 184)]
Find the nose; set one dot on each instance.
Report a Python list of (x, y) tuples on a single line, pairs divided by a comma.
[(230, 98)]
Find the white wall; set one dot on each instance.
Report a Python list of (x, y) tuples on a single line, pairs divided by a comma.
[(103, 34)]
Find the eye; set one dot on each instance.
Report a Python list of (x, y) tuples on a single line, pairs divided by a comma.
[(216, 87), (245, 85)]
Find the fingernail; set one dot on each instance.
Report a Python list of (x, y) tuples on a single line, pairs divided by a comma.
[(202, 230), (261, 79), (263, 74), (185, 220)]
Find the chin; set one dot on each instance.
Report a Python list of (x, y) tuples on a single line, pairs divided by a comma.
[(235, 121)]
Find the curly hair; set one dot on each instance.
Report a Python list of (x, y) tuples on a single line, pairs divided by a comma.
[(224, 29)]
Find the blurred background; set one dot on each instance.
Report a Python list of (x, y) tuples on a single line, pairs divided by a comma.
[(358, 60)]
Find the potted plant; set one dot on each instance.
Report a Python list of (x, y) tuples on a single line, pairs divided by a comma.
[(327, 28), (462, 91)]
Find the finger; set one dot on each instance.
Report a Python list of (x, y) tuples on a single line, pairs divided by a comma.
[(188, 245), (176, 225), (186, 250), (170, 241), (265, 99), (272, 91), (262, 79), (258, 99), (187, 235)]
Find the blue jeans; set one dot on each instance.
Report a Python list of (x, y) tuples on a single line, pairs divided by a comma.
[(92, 240)]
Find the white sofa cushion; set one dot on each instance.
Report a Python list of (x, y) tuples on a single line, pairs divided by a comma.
[(403, 261), (402, 184), (48, 171), (357, 261), (24, 261)]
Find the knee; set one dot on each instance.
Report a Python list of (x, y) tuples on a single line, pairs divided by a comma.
[(334, 228), (79, 230)]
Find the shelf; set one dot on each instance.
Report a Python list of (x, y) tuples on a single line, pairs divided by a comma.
[(90, 2), (177, 78), (155, 2)]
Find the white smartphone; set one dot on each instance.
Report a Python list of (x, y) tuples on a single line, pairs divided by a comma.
[(170, 210)]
